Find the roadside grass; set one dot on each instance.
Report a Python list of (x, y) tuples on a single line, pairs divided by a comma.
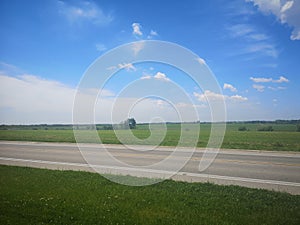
[(283, 138), (40, 196)]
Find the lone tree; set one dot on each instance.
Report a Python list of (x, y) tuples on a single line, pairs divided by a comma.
[(128, 124), (131, 123)]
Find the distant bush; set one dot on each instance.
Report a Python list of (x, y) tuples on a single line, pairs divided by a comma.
[(243, 128), (266, 128), (298, 128), (108, 127)]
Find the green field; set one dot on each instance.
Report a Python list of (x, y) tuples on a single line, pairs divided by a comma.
[(39, 196), (283, 137)]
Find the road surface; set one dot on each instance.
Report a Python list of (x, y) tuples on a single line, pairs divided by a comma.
[(278, 171)]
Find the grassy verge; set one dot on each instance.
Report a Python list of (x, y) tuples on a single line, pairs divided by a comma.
[(275, 140), (283, 138), (39, 196)]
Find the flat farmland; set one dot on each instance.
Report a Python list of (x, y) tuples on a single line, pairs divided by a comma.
[(283, 137)]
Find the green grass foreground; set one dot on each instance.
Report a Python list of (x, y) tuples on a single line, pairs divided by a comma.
[(283, 138), (40, 196)]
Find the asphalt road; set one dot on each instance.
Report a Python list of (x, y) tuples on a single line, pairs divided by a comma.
[(278, 171)]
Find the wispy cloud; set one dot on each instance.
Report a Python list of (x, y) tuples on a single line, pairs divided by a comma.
[(127, 66), (254, 41), (240, 30), (229, 87), (277, 88), (263, 48), (9, 68), (258, 87), (100, 47), (281, 79), (84, 11), (146, 77), (287, 12)]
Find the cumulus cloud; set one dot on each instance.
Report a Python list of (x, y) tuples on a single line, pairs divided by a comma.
[(212, 96), (136, 29), (158, 76), (229, 87), (286, 11), (84, 11), (238, 98), (161, 76), (281, 79)]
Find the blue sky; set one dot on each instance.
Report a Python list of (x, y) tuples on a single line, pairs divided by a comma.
[(251, 46)]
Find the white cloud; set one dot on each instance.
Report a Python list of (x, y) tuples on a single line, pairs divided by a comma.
[(158, 76), (238, 98), (161, 76), (287, 12), (153, 33), (209, 96), (146, 77), (127, 66), (281, 79), (230, 87), (287, 6), (137, 29), (201, 61), (84, 11), (259, 88), (260, 79), (212, 96)]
